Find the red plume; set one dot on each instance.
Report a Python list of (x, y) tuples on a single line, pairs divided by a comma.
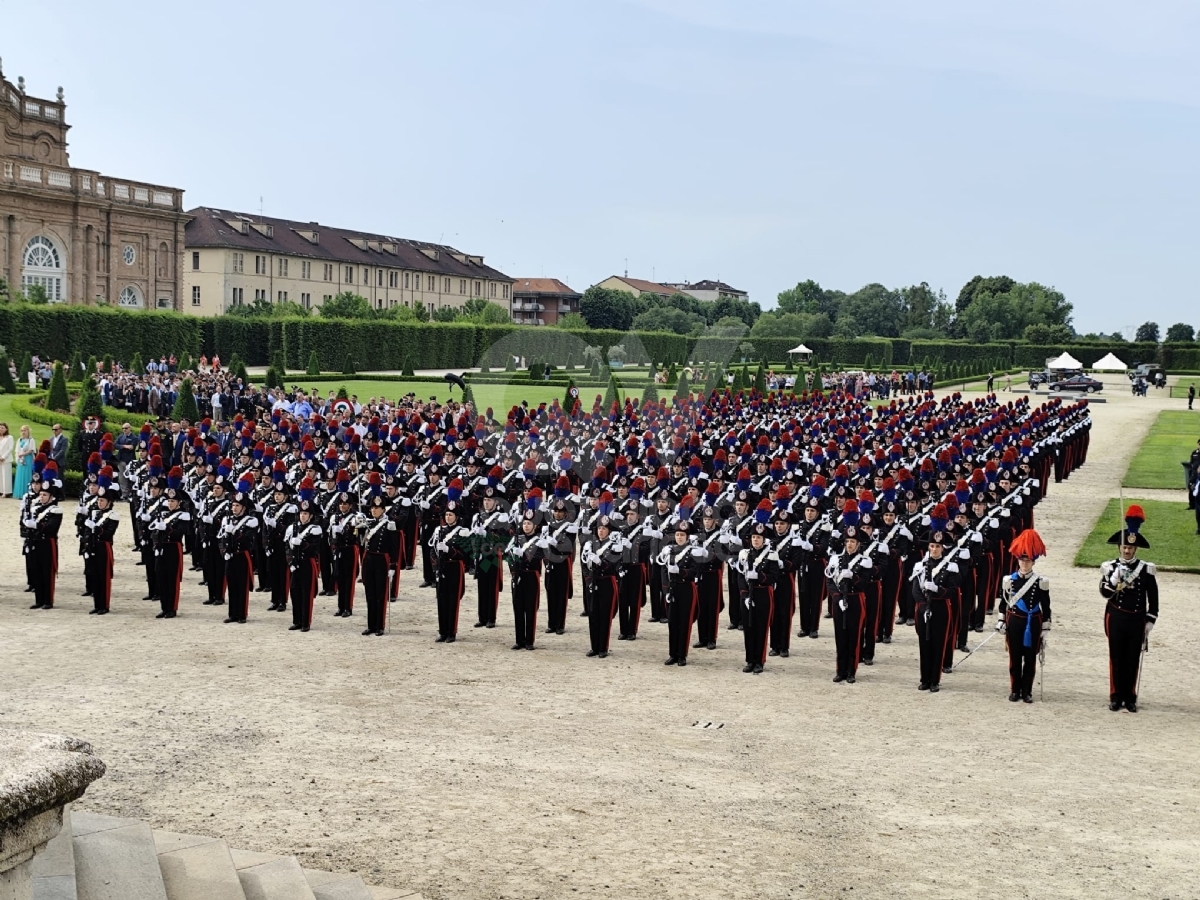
[(1027, 543)]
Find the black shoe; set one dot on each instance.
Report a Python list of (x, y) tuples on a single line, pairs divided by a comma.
[(1115, 706), (86, 594), (697, 645), (1028, 698), (839, 678), (161, 615), (441, 639), (813, 635), (36, 606), (934, 688), (215, 602), (785, 653), (748, 668), (529, 646), (603, 654), (591, 653), (272, 607), (850, 680), (491, 625), (1130, 705), (632, 637), (548, 631), (228, 621), (758, 670), (29, 590), (560, 631), (171, 615), (304, 629), (282, 607), (451, 639), (583, 615), (711, 645), (885, 639), (241, 621), (208, 603), (425, 584), (293, 628), (1013, 698), (393, 599), (203, 584), (923, 686), (868, 662), (480, 624), (147, 597), (683, 661), (772, 652), (367, 632), (102, 612), (801, 634), (92, 612), (946, 670), (900, 620), (621, 637), (518, 646)]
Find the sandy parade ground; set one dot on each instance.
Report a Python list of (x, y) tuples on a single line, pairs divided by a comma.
[(471, 771)]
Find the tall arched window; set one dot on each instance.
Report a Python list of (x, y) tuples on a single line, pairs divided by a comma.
[(131, 298), (43, 268)]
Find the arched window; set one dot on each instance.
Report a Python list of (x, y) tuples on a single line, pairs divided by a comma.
[(131, 298), (43, 268)]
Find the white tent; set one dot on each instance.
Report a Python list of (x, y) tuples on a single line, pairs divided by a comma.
[(801, 349), (1109, 364), (1066, 361)]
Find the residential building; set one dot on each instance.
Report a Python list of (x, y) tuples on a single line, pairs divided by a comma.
[(80, 236), (710, 291), (234, 258), (542, 301), (637, 286)]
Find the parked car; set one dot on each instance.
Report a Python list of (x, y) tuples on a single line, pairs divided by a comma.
[(1036, 378), (1085, 383), (1149, 371)]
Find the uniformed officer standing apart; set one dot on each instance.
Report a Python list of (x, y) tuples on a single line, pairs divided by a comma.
[(934, 582), (1130, 585), (1026, 600)]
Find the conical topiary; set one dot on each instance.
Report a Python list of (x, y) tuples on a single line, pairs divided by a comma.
[(314, 364), (185, 403), (58, 400)]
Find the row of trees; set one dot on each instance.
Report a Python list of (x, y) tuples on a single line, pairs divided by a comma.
[(986, 309), (608, 308), (1179, 333)]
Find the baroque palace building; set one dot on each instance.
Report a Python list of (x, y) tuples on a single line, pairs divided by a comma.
[(80, 236), (233, 258)]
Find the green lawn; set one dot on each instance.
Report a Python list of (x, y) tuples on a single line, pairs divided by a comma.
[(1171, 441), (1179, 390), (15, 422), (1170, 528), (500, 397)]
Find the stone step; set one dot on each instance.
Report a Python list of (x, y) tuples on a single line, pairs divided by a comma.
[(195, 867), (336, 886), (54, 867), (115, 859), (266, 877)]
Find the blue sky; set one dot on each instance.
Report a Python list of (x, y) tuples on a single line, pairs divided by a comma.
[(760, 141)]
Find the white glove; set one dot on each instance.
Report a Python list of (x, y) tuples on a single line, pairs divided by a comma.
[(746, 603), (883, 545), (999, 624), (442, 547), (752, 575), (844, 575), (1045, 626), (654, 533), (698, 552), (424, 504), (805, 545), (503, 517), (207, 519), (145, 517), (391, 525), (295, 542), (270, 522), (90, 523), (929, 585), (1149, 628), (32, 523), (337, 529), (674, 570), (478, 529), (405, 502), (543, 543), (723, 539)]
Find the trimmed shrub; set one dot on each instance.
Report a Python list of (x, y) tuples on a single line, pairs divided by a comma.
[(185, 403), (348, 368), (7, 385), (314, 364), (58, 399)]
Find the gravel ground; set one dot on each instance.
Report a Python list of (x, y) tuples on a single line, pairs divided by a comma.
[(470, 771)]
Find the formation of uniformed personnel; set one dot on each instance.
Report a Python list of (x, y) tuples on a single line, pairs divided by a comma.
[(100, 528), (935, 582), (826, 485), (1130, 585), (524, 555)]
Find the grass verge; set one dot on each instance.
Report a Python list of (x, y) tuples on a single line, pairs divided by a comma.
[(1170, 528), (1170, 442)]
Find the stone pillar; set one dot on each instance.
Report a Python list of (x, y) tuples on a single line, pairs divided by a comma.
[(39, 775), (13, 263)]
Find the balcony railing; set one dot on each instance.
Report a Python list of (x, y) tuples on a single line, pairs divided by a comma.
[(85, 183)]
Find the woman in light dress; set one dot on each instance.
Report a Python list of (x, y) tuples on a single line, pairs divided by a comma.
[(7, 446), (26, 449)]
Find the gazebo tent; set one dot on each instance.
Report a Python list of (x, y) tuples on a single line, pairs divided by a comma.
[(803, 351), (1064, 362), (1109, 363)]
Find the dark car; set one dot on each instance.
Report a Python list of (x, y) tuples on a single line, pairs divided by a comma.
[(1149, 371), (1084, 383), (1036, 378)]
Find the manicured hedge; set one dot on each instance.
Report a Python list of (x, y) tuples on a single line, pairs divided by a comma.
[(1179, 357), (27, 406), (61, 331), (1034, 356)]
